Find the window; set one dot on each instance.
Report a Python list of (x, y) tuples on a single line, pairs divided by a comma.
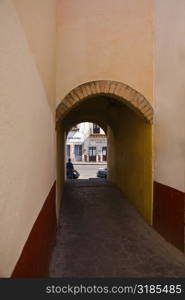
[(78, 152), (74, 128), (92, 153), (68, 151), (96, 128), (104, 153)]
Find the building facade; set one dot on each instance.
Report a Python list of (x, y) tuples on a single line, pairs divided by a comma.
[(86, 142)]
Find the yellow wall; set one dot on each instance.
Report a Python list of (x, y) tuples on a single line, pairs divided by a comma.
[(105, 39), (111, 163), (27, 129), (169, 93), (131, 160)]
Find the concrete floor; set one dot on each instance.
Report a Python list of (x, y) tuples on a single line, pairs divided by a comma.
[(102, 235)]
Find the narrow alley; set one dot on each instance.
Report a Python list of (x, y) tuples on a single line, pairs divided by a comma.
[(100, 234)]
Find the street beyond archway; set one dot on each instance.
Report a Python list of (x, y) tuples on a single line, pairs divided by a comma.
[(88, 170)]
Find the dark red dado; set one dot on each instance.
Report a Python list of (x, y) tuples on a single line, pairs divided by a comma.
[(35, 257), (168, 214)]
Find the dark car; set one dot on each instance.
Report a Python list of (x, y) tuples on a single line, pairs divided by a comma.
[(102, 173), (75, 174)]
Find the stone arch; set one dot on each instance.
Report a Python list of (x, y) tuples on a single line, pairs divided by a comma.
[(114, 89)]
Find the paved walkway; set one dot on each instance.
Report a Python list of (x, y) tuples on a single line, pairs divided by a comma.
[(101, 235)]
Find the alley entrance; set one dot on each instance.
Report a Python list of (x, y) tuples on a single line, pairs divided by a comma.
[(126, 118), (100, 234)]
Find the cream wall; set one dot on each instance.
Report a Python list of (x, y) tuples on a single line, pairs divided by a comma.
[(27, 152), (170, 93), (38, 18), (107, 39)]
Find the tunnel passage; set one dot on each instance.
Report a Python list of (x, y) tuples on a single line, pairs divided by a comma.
[(126, 117)]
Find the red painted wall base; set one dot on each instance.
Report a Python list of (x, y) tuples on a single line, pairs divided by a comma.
[(34, 260), (168, 214)]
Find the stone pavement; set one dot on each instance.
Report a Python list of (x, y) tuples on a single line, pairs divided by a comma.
[(101, 235)]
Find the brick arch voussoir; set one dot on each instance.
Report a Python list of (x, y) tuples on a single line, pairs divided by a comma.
[(125, 93)]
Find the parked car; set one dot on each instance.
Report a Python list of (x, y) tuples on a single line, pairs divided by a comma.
[(75, 174), (102, 173)]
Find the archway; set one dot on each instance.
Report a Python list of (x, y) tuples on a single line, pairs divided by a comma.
[(127, 118), (118, 90)]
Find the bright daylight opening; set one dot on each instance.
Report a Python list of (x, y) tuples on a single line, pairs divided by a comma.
[(86, 152)]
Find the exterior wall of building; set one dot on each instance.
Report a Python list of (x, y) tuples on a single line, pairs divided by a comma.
[(38, 19), (169, 93), (105, 40), (98, 143), (27, 138), (96, 40), (76, 137), (82, 135), (108, 41), (169, 120)]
